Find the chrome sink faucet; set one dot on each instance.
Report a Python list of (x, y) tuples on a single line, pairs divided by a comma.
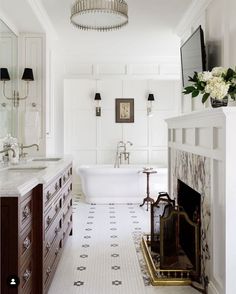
[(22, 147), (5, 151), (121, 153)]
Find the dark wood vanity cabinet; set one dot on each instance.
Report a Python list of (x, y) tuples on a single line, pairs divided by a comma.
[(34, 229)]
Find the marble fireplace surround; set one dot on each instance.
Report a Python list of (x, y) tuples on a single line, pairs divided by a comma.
[(202, 154), (194, 171)]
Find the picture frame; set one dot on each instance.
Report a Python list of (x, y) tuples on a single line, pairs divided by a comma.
[(124, 110)]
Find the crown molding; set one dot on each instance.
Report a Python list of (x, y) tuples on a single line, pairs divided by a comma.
[(43, 18), (196, 8), (6, 19)]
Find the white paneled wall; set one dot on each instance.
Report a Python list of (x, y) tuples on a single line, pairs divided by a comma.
[(93, 140)]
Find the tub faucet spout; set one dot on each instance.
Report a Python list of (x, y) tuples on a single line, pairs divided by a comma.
[(121, 153)]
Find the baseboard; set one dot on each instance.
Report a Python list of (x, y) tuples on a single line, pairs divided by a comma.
[(212, 289)]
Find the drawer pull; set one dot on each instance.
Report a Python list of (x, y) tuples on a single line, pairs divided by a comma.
[(56, 186), (64, 178), (48, 271), (26, 243), (48, 246), (68, 206), (64, 196), (49, 219), (48, 195), (27, 275), (26, 211)]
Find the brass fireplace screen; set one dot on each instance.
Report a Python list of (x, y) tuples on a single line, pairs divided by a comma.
[(172, 250)]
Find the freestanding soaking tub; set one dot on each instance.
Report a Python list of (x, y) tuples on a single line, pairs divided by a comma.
[(127, 184)]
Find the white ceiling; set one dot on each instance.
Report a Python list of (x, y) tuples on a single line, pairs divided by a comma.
[(157, 14), (150, 31)]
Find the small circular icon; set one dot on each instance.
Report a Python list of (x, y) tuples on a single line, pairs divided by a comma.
[(13, 281)]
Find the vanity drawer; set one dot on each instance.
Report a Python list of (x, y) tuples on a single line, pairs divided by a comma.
[(51, 236), (52, 212), (25, 213), (26, 277), (67, 174), (25, 244), (51, 191), (51, 262), (67, 191)]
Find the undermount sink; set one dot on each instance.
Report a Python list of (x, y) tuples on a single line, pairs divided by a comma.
[(47, 159), (27, 169)]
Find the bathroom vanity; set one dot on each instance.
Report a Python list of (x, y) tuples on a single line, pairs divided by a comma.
[(36, 220)]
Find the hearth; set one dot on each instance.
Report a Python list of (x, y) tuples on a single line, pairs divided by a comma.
[(174, 243)]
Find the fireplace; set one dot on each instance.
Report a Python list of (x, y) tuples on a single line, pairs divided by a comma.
[(175, 236)]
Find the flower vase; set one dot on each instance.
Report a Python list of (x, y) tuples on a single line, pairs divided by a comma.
[(219, 102)]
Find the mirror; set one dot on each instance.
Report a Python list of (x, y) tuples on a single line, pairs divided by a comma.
[(9, 60)]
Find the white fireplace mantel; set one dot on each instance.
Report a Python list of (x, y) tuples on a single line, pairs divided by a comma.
[(211, 134)]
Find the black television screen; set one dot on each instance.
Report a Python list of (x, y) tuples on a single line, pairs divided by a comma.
[(193, 56)]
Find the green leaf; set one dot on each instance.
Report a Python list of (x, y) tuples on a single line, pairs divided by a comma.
[(195, 93), (189, 89), (205, 97), (230, 73)]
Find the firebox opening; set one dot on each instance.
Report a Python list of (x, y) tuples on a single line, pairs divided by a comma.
[(190, 201)]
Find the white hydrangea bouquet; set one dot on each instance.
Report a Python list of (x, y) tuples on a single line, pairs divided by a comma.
[(217, 84)]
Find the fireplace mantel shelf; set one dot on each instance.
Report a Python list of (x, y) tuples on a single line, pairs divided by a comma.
[(202, 145)]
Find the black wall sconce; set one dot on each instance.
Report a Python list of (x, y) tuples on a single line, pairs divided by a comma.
[(149, 104), (98, 98), (27, 77)]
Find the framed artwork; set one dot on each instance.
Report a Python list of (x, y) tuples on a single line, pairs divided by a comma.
[(124, 110)]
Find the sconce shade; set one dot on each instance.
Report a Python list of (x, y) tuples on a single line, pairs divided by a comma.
[(4, 75), (151, 97), (97, 96), (28, 75)]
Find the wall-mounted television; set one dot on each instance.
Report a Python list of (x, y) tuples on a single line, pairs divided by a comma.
[(193, 55)]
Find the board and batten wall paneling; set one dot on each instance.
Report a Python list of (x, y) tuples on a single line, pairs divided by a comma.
[(93, 140)]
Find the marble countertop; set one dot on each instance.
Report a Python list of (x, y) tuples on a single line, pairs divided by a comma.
[(15, 183)]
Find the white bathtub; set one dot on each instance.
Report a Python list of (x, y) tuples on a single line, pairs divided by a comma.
[(106, 184)]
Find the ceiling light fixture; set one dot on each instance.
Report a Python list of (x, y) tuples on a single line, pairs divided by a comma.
[(99, 15)]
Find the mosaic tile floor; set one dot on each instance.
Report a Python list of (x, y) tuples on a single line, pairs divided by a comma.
[(102, 256)]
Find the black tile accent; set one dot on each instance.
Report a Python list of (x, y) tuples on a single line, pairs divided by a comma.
[(135, 222), (87, 237), (85, 245), (78, 283), (83, 255), (137, 229), (114, 245), (134, 216), (115, 255), (91, 211), (112, 216), (113, 229), (88, 229), (89, 223), (115, 267), (91, 217), (114, 236), (81, 268), (112, 223), (116, 283)]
